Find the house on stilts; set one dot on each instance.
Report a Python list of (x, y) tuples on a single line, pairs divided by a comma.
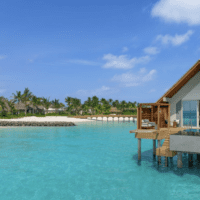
[(174, 118)]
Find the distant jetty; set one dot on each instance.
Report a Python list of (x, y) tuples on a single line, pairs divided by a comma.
[(32, 123)]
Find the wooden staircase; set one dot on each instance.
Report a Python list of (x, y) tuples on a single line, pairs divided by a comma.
[(165, 150)]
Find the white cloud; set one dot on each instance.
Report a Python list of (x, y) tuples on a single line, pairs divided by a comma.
[(142, 70), (125, 49), (122, 62), (175, 40), (129, 79), (100, 91), (82, 62), (151, 50), (187, 11)]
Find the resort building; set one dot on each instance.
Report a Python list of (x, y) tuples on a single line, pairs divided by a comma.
[(174, 117), (184, 98)]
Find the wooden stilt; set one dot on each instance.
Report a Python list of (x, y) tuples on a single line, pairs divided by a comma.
[(198, 157), (159, 157), (166, 161), (154, 148), (139, 148), (179, 161), (190, 159)]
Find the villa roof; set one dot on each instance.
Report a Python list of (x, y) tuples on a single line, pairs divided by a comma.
[(7, 108), (182, 81), (114, 109), (20, 106)]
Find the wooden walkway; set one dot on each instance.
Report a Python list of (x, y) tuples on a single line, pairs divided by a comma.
[(112, 116)]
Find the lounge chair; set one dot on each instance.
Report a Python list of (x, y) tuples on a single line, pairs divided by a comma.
[(147, 124)]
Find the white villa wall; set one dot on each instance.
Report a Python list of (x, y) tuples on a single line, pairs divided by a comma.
[(190, 91)]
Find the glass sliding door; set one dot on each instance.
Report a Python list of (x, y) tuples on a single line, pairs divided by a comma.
[(189, 113)]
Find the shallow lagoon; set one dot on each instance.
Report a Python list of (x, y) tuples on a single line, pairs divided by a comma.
[(94, 160)]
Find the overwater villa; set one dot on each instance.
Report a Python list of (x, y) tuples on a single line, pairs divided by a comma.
[(175, 118)]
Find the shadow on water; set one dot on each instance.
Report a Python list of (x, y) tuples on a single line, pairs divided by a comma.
[(187, 168)]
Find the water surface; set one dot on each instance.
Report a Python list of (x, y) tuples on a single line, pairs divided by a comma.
[(94, 160)]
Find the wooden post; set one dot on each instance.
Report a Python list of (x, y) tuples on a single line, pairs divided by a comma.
[(190, 159), (198, 157), (179, 161), (138, 118), (168, 116), (139, 148), (159, 157), (166, 161), (154, 148), (158, 117)]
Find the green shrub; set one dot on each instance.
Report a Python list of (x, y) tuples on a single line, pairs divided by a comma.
[(4, 114)]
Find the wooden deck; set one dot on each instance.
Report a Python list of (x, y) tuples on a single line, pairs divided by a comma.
[(163, 133), (154, 134)]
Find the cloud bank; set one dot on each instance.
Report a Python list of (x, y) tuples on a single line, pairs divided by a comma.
[(178, 11), (122, 61), (130, 80), (175, 40)]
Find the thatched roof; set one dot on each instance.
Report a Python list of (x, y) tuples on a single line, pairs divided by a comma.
[(114, 109), (20, 106), (7, 108)]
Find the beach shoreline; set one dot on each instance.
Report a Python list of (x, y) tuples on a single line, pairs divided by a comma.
[(56, 119)]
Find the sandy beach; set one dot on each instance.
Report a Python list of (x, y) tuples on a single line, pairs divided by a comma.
[(48, 119), (59, 119)]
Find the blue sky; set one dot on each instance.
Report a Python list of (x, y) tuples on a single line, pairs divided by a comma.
[(125, 50)]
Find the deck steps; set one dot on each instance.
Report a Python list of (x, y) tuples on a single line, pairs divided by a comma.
[(165, 149)]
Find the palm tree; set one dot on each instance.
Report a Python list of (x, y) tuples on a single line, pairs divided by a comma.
[(12, 106), (88, 103), (35, 101), (46, 103), (17, 97), (2, 103), (94, 103), (26, 97), (76, 104), (68, 100), (84, 108), (115, 103), (62, 105), (123, 105), (110, 101), (99, 109), (56, 104)]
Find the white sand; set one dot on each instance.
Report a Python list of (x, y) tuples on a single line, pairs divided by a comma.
[(48, 119), (66, 119)]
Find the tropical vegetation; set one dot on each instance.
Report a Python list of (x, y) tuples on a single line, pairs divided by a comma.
[(93, 105)]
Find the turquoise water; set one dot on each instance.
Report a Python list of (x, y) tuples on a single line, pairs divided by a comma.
[(90, 161)]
